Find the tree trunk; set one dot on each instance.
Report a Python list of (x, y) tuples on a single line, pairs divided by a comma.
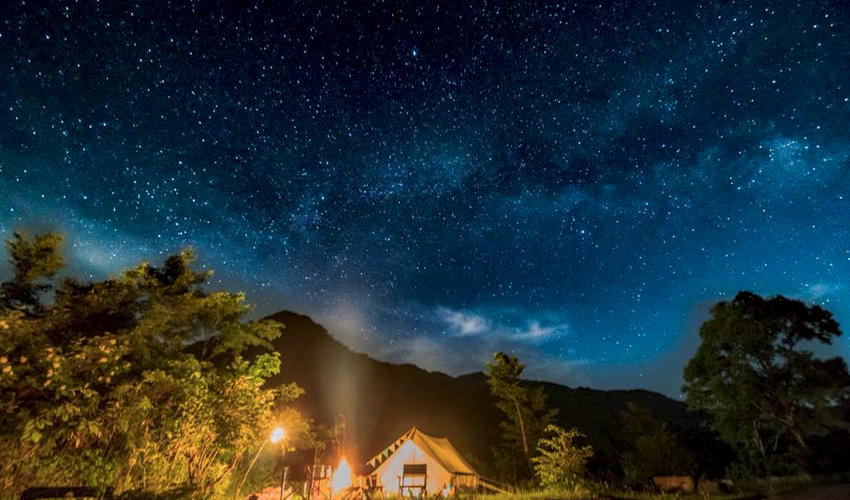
[(521, 427), (794, 428), (759, 443), (798, 436)]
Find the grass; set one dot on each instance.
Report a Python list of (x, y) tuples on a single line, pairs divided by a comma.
[(606, 495), (533, 495), (747, 490), (636, 495)]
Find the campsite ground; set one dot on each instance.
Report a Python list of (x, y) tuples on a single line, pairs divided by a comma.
[(557, 495), (819, 492), (839, 491), (692, 496)]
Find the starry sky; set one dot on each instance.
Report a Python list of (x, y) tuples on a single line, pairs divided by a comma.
[(574, 183)]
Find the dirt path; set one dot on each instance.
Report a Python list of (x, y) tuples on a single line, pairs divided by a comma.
[(824, 492)]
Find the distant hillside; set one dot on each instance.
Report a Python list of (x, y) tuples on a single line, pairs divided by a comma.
[(382, 400)]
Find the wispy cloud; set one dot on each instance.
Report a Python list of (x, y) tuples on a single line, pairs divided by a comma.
[(470, 323), (537, 331), (472, 336), (820, 290), (463, 322)]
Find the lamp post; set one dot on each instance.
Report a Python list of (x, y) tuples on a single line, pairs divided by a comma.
[(278, 436)]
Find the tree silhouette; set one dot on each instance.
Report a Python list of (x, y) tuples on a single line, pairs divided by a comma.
[(524, 409), (756, 375)]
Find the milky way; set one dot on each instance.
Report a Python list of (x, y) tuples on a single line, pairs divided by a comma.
[(573, 183)]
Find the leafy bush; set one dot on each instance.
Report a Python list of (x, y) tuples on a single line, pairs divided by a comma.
[(561, 463)]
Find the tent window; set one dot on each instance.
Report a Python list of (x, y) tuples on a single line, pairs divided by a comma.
[(415, 469)]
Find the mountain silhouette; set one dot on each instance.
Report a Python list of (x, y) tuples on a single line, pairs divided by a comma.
[(379, 401)]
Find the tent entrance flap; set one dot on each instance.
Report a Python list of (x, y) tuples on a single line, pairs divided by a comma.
[(414, 480)]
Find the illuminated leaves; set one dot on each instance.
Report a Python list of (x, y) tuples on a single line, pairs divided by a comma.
[(561, 463), (136, 382)]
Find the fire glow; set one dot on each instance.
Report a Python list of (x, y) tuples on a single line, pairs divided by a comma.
[(341, 477)]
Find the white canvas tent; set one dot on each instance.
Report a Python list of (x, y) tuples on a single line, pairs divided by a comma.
[(419, 464)]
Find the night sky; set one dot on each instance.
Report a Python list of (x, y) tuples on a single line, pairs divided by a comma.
[(574, 183)]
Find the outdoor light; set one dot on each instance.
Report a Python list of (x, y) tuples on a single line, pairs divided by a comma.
[(277, 434)]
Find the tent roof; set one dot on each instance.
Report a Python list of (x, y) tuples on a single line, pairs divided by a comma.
[(439, 448)]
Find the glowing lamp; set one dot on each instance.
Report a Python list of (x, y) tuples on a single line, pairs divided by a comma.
[(277, 434)]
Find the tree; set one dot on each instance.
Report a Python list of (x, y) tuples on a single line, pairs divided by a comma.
[(560, 462), (651, 448), (754, 373), (137, 382), (524, 408), (33, 262)]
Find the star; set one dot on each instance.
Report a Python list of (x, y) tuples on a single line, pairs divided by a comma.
[(575, 185)]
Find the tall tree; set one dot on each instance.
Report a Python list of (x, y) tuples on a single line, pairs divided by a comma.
[(523, 405), (756, 375), (135, 382)]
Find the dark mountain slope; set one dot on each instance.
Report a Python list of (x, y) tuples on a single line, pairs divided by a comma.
[(379, 401)]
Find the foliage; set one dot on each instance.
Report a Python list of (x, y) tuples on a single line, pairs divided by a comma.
[(136, 382), (651, 449), (766, 392), (560, 462), (33, 262), (526, 415)]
